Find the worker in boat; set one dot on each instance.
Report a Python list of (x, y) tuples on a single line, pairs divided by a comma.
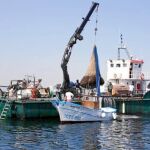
[(38, 84), (131, 89), (72, 84), (69, 96), (12, 91), (23, 84), (35, 93), (110, 87), (77, 84), (58, 91)]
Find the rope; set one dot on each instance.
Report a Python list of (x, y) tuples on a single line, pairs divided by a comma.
[(96, 22)]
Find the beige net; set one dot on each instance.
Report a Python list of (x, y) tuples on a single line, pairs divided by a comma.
[(89, 79)]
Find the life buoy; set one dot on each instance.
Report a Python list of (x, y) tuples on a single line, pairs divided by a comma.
[(142, 76)]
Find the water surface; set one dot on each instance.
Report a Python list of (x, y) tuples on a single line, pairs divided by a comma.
[(129, 133)]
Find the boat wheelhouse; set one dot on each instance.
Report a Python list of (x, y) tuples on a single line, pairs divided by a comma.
[(125, 72)]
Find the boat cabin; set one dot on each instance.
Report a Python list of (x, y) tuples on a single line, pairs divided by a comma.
[(127, 73)]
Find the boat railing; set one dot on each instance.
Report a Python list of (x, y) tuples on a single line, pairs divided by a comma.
[(41, 92), (140, 75), (3, 91), (146, 76), (27, 93), (135, 93), (90, 97)]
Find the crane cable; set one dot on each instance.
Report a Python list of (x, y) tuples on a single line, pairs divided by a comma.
[(96, 28)]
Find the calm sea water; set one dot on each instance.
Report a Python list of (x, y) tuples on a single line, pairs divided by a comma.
[(130, 133)]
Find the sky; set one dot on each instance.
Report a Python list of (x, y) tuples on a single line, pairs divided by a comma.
[(34, 35)]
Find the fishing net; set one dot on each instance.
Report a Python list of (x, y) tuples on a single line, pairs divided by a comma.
[(89, 79)]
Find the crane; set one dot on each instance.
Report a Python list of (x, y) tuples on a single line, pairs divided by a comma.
[(67, 53)]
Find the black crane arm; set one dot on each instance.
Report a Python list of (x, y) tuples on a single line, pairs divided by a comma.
[(76, 36)]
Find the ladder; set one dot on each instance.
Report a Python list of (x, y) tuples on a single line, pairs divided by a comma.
[(5, 110)]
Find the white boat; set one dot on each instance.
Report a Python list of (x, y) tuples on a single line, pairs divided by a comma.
[(71, 112), (89, 110), (89, 87)]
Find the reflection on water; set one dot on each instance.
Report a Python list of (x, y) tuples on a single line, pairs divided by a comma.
[(128, 133)]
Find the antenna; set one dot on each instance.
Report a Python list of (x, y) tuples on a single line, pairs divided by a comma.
[(121, 38), (122, 47)]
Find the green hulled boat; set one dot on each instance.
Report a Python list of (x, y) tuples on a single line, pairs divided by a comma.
[(134, 105), (28, 108), (26, 99), (127, 84)]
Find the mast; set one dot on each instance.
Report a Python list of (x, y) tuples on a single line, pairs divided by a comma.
[(122, 47), (67, 53)]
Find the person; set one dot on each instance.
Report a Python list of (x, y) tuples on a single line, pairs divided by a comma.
[(110, 87), (23, 84), (78, 86), (58, 91), (131, 89), (38, 84), (69, 96)]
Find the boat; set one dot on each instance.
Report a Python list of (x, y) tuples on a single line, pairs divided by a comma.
[(27, 109), (127, 84), (125, 74), (71, 112), (26, 99), (89, 109)]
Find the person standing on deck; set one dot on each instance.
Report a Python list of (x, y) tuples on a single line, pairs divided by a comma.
[(69, 96), (38, 84), (131, 89), (110, 87), (78, 86)]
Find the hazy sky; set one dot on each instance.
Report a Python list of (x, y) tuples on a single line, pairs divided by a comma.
[(34, 34)]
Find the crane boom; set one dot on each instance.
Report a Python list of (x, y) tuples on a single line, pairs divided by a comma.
[(76, 36)]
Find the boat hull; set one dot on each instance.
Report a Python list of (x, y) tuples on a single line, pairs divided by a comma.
[(29, 108), (133, 106), (70, 112)]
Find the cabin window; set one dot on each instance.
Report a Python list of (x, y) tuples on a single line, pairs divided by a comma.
[(124, 65), (111, 65), (117, 65), (131, 66), (139, 65)]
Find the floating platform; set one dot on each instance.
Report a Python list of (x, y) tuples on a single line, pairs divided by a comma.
[(43, 108), (133, 105), (129, 105)]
